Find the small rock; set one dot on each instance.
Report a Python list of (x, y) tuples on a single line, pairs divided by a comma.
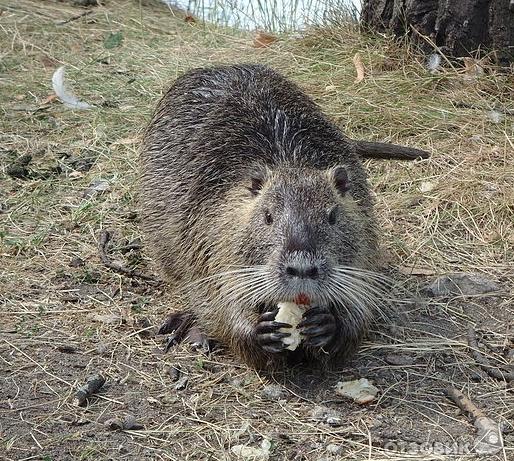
[(174, 372), (66, 348), (85, 2), (131, 216), (334, 421), (335, 449), (495, 116), (327, 415), (466, 284), (128, 423), (399, 359), (77, 262), (274, 392), (102, 349), (18, 169), (181, 383), (426, 186), (253, 453), (360, 391), (114, 424), (144, 327), (109, 319), (99, 186)]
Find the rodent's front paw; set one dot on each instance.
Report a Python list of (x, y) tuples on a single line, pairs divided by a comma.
[(268, 333), (318, 327)]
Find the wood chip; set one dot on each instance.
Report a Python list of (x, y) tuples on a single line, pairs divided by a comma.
[(263, 40), (359, 67)]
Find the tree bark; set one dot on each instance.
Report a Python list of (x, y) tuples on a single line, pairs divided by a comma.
[(457, 27)]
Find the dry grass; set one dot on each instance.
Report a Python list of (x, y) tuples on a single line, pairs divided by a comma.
[(454, 212)]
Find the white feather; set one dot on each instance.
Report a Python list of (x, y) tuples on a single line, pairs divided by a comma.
[(67, 98), (433, 63)]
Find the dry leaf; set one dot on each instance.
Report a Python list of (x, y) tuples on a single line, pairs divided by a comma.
[(49, 99), (359, 67), (48, 62), (472, 68), (426, 186), (263, 39), (126, 141), (416, 270)]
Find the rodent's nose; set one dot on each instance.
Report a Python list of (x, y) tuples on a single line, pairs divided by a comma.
[(303, 272)]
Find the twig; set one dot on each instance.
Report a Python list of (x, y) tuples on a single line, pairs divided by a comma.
[(466, 105), (484, 362), (93, 384), (73, 18), (103, 241), (489, 439)]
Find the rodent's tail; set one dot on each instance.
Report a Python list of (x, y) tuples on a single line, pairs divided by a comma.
[(388, 151)]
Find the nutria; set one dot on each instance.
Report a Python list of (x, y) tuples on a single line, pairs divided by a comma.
[(251, 197)]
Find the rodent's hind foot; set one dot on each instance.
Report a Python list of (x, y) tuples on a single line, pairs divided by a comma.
[(178, 325), (269, 336), (318, 327)]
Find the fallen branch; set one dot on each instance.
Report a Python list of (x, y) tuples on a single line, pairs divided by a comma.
[(484, 363), (93, 384), (73, 18), (103, 241), (489, 439)]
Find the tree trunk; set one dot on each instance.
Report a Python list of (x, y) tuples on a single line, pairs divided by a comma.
[(457, 27)]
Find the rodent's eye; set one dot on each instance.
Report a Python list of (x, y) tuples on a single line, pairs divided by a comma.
[(332, 215), (268, 219)]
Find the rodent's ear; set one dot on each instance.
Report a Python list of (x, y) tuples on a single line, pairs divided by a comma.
[(256, 181), (340, 178)]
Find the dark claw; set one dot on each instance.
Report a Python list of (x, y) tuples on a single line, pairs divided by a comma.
[(318, 327), (268, 316), (270, 327), (268, 333), (179, 324), (172, 341), (173, 322), (276, 349), (318, 341), (273, 337), (318, 320), (319, 331)]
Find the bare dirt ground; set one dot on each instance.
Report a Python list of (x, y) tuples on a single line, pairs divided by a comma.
[(65, 316)]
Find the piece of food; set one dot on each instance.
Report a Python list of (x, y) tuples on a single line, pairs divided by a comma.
[(291, 313), (360, 391)]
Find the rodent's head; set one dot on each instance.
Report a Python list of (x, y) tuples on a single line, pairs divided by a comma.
[(302, 227)]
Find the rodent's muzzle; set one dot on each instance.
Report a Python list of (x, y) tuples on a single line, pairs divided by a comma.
[(302, 272)]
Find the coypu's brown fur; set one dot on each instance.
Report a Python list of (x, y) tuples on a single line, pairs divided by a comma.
[(244, 183)]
